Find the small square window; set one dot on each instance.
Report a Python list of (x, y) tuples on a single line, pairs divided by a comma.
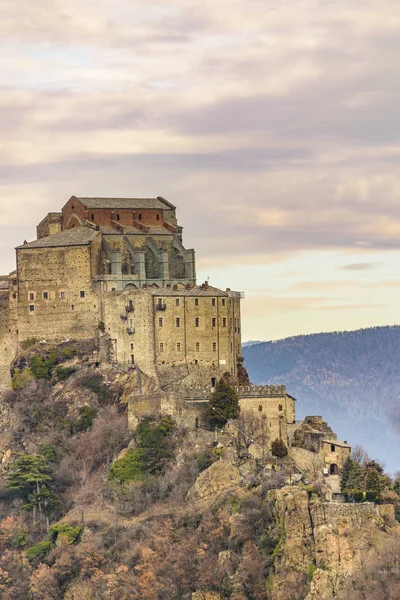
[(82, 294), (178, 346), (333, 448), (176, 301), (213, 322), (224, 322), (177, 322), (260, 408), (213, 301), (196, 322), (113, 289), (160, 322), (196, 362), (197, 346), (45, 295), (196, 301), (31, 307)]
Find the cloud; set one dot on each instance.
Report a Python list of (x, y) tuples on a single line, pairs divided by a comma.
[(361, 266)]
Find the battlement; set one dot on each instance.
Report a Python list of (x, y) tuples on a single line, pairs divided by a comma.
[(202, 392)]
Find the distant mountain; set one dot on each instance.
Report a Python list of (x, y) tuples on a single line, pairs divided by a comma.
[(250, 343), (352, 378)]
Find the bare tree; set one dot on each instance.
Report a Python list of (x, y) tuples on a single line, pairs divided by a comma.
[(251, 429), (358, 454)]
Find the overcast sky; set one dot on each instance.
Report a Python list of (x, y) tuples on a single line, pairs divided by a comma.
[(273, 126)]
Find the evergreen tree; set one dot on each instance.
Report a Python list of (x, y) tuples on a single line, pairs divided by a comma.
[(29, 478), (372, 480), (352, 476), (223, 405)]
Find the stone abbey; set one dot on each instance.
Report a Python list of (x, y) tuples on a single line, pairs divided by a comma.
[(115, 271)]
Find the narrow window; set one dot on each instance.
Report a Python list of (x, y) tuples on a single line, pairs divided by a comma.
[(82, 294), (213, 321), (196, 301), (62, 295), (280, 407), (161, 347), (260, 408), (196, 362), (176, 301), (113, 289), (31, 296), (131, 346), (197, 346), (31, 307), (214, 346), (130, 305), (45, 295), (213, 381), (223, 321), (213, 301), (177, 322), (160, 322), (223, 301), (140, 216), (92, 217), (196, 423), (178, 346), (117, 216), (158, 217), (196, 321), (132, 359), (73, 307), (333, 448)]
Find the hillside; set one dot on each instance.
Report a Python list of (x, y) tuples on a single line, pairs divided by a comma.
[(352, 378), (93, 508)]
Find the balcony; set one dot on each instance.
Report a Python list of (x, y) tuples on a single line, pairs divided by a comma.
[(161, 306), (130, 330)]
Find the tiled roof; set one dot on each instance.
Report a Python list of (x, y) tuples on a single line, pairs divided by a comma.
[(131, 230), (78, 236), (198, 290), (3, 284), (120, 203), (336, 443)]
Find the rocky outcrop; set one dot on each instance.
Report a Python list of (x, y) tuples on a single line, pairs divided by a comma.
[(321, 542), (220, 477)]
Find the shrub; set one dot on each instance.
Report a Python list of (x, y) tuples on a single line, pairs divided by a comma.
[(279, 448), (153, 452), (310, 571), (206, 459), (39, 552), (64, 372), (69, 532), (49, 451), (28, 343), (371, 496), (93, 382), (19, 378), (42, 365), (87, 415)]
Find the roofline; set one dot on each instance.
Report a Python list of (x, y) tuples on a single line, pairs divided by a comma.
[(160, 198)]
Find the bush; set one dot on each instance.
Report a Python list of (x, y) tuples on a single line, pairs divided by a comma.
[(153, 452), (371, 496), (39, 552), (87, 415), (64, 372), (42, 365), (206, 459), (19, 378), (28, 343), (70, 533), (279, 448)]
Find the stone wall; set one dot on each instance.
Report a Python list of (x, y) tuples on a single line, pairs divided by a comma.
[(56, 298), (8, 340)]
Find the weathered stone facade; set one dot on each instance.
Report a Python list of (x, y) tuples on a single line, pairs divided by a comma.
[(115, 270)]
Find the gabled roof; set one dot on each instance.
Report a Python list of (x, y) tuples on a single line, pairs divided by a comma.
[(121, 203), (78, 236)]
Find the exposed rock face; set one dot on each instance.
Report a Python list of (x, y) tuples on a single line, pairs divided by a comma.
[(321, 542), (206, 596), (220, 477)]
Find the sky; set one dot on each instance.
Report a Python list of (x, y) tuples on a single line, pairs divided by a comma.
[(272, 125)]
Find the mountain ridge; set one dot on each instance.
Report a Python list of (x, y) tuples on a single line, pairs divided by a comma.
[(352, 378)]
